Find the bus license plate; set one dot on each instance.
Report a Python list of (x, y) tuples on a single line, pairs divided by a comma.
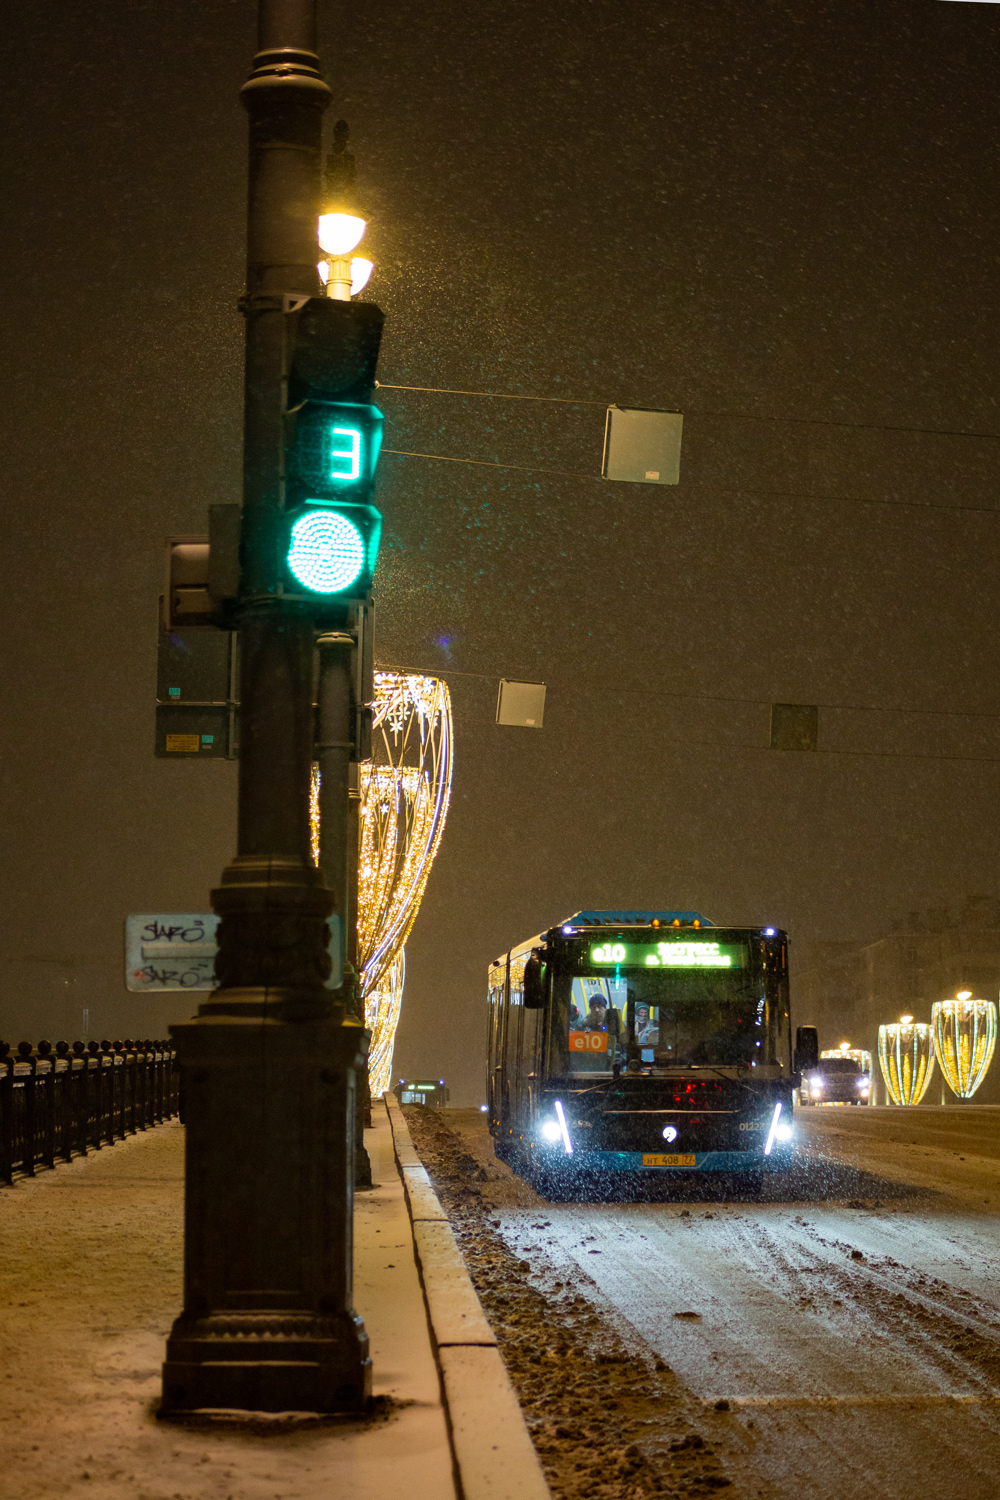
[(668, 1161)]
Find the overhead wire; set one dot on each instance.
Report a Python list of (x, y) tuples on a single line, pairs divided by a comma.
[(484, 463), (766, 494), (859, 708), (734, 416)]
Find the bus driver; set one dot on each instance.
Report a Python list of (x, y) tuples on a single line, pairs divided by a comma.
[(597, 1020)]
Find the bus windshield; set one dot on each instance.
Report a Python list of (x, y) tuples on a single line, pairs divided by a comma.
[(663, 1018)]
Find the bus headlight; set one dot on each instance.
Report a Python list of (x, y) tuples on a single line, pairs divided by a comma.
[(551, 1131), (783, 1132)]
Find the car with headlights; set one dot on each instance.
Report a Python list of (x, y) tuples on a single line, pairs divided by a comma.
[(835, 1080)]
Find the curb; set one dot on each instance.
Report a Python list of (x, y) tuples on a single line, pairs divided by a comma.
[(493, 1454)]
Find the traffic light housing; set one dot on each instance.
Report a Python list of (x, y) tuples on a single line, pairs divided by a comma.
[(331, 528)]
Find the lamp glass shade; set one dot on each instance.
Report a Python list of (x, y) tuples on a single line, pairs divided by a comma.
[(361, 271), (340, 233)]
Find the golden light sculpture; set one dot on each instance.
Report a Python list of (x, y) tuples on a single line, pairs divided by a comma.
[(382, 1006), (906, 1058), (965, 1035), (405, 789)]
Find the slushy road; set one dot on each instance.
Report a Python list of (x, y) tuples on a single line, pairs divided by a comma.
[(850, 1318)]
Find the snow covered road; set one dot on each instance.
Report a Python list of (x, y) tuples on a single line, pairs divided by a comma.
[(852, 1329)]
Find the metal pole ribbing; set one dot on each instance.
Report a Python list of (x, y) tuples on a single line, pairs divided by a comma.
[(269, 1060), (335, 709), (333, 754)]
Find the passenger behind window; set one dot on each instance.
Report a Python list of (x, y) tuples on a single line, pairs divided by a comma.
[(647, 1032)]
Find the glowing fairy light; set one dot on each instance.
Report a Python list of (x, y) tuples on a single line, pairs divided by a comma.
[(405, 789), (906, 1057), (965, 1034), (382, 1006)]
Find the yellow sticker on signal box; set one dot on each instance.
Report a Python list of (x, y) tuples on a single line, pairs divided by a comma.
[(184, 744), (667, 1161)]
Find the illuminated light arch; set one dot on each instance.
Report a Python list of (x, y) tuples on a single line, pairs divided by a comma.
[(965, 1035), (906, 1058), (382, 1006), (405, 789)]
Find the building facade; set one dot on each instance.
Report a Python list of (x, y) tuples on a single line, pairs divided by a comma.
[(847, 990)]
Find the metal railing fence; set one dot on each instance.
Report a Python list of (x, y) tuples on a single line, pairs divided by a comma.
[(63, 1101)]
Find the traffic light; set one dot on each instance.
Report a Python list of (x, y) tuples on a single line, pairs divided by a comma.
[(331, 531)]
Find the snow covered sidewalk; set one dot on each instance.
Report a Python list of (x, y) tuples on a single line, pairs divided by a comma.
[(90, 1280)]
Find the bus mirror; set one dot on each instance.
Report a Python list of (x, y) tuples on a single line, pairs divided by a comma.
[(534, 996), (806, 1049)]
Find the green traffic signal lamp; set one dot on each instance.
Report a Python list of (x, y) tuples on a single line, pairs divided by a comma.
[(327, 552), (332, 552), (333, 529)]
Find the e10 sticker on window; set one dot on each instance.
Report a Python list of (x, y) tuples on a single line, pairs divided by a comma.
[(588, 1041)]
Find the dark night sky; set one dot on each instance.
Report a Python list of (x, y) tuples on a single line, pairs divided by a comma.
[(779, 218)]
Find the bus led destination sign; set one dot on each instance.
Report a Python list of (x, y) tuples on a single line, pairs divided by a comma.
[(674, 955)]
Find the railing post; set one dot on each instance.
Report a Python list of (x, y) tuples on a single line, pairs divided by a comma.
[(81, 1097), (118, 1089), (95, 1078), (142, 1092), (63, 1082), (158, 1075), (176, 1086), (6, 1114), (108, 1073), (28, 1059), (46, 1082), (129, 1055)]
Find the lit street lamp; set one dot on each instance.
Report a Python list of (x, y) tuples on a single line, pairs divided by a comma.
[(341, 226)]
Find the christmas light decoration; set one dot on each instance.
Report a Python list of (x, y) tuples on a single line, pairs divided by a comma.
[(405, 790), (906, 1057), (965, 1034), (382, 1006)]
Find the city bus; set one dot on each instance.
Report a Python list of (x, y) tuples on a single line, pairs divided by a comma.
[(649, 1043)]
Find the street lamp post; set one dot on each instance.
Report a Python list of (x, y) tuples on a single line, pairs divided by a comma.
[(268, 1062)]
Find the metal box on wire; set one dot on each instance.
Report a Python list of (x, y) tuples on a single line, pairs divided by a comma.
[(642, 446)]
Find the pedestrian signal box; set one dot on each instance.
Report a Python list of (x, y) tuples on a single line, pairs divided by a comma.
[(434, 1095), (333, 529)]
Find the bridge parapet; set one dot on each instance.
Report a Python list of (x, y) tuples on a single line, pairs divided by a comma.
[(61, 1101)]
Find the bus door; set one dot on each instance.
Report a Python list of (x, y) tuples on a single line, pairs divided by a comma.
[(513, 1077), (499, 989)]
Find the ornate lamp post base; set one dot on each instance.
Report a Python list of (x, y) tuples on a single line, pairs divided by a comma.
[(269, 1113)]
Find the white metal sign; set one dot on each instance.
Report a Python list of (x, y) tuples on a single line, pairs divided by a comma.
[(521, 703), (170, 951), (642, 446), (176, 951)]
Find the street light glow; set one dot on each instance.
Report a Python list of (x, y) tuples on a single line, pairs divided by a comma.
[(339, 234)]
